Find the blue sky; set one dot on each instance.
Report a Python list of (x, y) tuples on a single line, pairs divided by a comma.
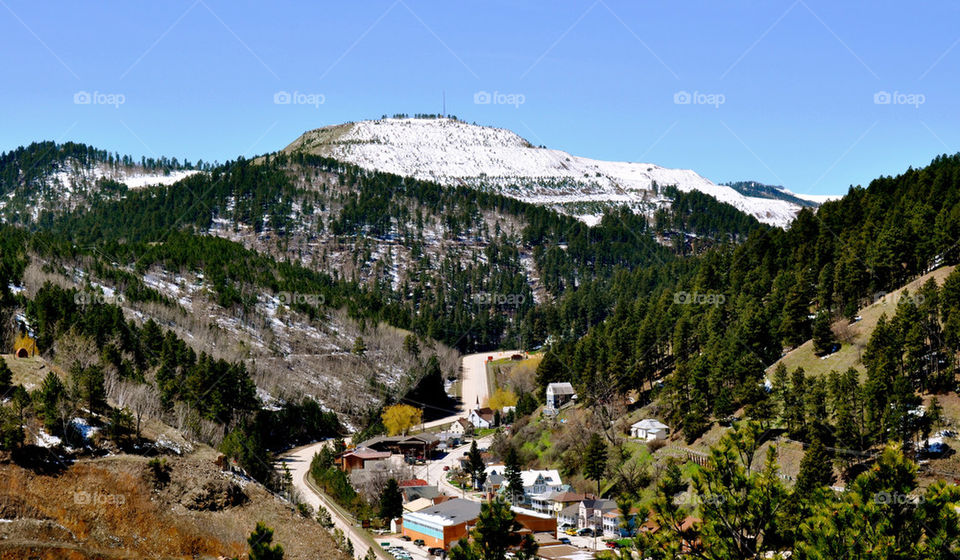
[(785, 92)]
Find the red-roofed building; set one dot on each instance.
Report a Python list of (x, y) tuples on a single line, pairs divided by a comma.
[(414, 482), (359, 457)]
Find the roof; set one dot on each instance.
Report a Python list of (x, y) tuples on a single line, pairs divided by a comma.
[(564, 552), (567, 497), (414, 482), (529, 477), (414, 492), (485, 413), (464, 422), (561, 389), (571, 510), (367, 454), (599, 504), (417, 505), (451, 512), (650, 424)]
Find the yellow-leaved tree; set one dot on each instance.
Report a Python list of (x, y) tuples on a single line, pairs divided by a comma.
[(399, 418), (501, 398)]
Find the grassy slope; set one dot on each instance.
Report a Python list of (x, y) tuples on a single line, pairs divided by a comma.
[(858, 334)]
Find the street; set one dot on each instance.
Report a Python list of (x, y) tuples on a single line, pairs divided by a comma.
[(474, 389)]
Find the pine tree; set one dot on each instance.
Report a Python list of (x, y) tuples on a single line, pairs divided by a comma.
[(391, 500), (6, 378), (359, 347), (259, 541), (595, 460), (816, 470), (512, 478), (823, 339), (475, 464)]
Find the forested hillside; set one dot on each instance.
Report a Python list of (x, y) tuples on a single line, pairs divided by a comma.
[(716, 321)]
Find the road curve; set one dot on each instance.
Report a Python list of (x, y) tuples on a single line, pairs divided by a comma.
[(298, 461), (474, 389)]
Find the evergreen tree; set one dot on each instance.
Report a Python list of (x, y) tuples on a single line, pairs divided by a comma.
[(823, 339), (359, 347), (259, 541), (816, 470), (512, 479), (475, 464), (595, 460), (6, 378), (391, 500)]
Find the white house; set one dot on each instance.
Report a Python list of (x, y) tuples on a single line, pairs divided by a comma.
[(649, 429), (535, 482), (558, 394), (481, 418), (460, 427)]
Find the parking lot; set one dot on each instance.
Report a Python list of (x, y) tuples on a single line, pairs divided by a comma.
[(586, 543), (414, 551)]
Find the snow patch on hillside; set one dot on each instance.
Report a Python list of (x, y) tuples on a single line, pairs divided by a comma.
[(451, 152)]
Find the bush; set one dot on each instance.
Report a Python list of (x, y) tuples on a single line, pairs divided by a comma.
[(655, 445)]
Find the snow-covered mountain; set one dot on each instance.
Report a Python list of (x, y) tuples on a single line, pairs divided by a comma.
[(452, 152)]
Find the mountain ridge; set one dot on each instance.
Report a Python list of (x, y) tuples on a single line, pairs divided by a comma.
[(452, 152)]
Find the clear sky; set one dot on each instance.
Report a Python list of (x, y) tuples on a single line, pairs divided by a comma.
[(785, 92)]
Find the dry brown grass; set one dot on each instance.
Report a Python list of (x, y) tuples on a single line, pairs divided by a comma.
[(109, 508)]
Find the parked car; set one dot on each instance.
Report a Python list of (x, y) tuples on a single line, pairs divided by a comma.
[(419, 542), (611, 544), (571, 531), (446, 467), (585, 532), (436, 551), (406, 538), (564, 540)]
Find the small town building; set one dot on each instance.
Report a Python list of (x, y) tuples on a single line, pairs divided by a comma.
[(591, 513), (481, 418), (417, 505), (461, 427), (443, 524), (559, 394), (359, 458), (649, 429), (569, 516), (414, 446), (416, 492)]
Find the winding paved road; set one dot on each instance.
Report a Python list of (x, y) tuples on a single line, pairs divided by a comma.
[(474, 388)]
